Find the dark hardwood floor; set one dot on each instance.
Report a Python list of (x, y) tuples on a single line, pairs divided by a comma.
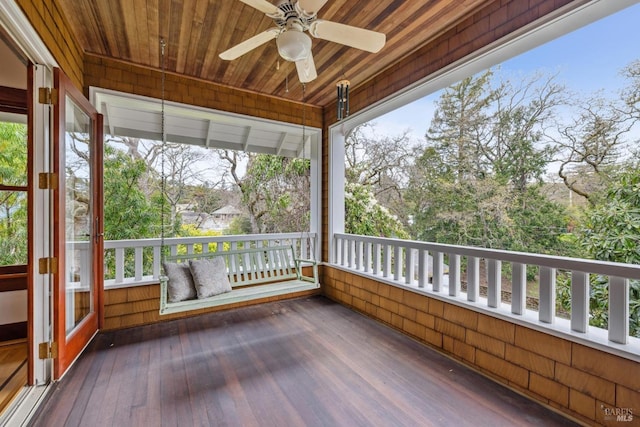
[(303, 362)]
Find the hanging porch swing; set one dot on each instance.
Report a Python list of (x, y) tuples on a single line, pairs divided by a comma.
[(222, 277)]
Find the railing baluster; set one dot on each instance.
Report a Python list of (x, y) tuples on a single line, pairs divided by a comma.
[(377, 258), (157, 257), (579, 301), (386, 266), (358, 255), (367, 257), (409, 266), (423, 268), (454, 275), (494, 283), (119, 265), (618, 310), (518, 288), (473, 278), (397, 262), (138, 264), (547, 299), (438, 270)]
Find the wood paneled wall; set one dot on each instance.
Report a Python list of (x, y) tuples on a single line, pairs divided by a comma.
[(53, 28), (139, 305)]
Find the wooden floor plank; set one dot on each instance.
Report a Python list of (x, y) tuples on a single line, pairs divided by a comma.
[(302, 362), (13, 370)]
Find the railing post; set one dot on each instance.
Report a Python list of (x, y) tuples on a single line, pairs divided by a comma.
[(473, 278), (494, 283), (579, 301), (454, 275), (619, 310), (518, 288), (547, 304)]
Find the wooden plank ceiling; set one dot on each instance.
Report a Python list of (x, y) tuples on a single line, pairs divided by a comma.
[(196, 31)]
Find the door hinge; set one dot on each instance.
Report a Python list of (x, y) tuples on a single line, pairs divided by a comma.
[(48, 350), (48, 265), (48, 96), (47, 181)]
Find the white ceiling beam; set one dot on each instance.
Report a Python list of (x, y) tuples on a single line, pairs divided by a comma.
[(247, 138), (209, 137), (305, 143), (281, 143)]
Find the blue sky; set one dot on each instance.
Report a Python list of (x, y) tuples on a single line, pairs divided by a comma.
[(586, 60)]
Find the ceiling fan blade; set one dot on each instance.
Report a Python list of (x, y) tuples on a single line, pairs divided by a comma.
[(310, 7), (249, 44), (368, 40), (265, 7), (306, 69)]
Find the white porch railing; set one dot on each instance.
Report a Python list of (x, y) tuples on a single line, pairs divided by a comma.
[(406, 264), (137, 262)]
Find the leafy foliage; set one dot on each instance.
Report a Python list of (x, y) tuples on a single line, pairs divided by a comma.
[(365, 216), (13, 202)]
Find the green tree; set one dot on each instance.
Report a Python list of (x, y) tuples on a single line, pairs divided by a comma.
[(128, 212), (461, 125), (476, 183), (365, 216), (13, 195), (611, 232), (275, 189)]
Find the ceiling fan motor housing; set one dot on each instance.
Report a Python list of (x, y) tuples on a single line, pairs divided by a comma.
[(293, 44)]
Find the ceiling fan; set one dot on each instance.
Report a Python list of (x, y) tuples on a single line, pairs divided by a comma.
[(292, 19)]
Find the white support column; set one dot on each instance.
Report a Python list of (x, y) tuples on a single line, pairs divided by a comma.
[(619, 310), (315, 220), (336, 183), (518, 288), (579, 301), (547, 307)]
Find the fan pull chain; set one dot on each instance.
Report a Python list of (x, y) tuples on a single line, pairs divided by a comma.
[(162, 151)]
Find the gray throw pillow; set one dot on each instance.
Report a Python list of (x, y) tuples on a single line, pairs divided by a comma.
[(180, 286), (210, 277)]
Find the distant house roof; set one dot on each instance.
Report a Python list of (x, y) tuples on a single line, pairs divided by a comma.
[(227, 210)]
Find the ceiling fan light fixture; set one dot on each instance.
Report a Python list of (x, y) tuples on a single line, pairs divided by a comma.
[(294, 45)]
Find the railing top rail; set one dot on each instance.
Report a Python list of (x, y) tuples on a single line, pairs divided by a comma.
[(110, 244), (631, 271)]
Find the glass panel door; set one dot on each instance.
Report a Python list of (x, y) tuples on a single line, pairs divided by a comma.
[(78, 216), (78, 222)]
